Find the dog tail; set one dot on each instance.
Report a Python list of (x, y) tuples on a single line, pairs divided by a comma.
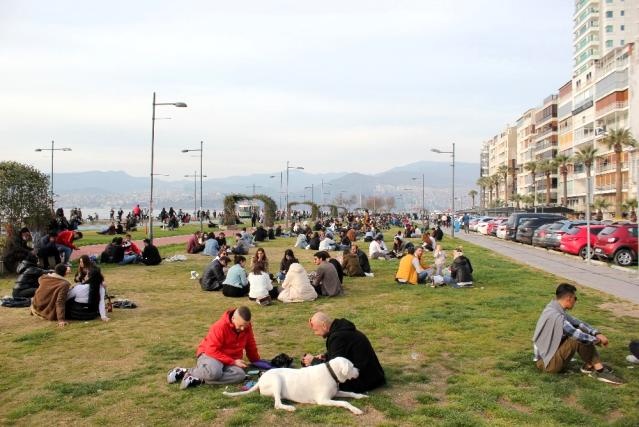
[(241, 393)]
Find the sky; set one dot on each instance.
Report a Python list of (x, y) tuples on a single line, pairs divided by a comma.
[(332, 86)]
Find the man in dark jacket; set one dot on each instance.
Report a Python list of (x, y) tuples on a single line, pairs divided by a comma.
[(213, 276), (260, 234), (47, 248), (461, 271), (344, 340), (27, 281), (150, 254)]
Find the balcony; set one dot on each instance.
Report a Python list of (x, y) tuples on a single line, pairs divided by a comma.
[(546, 131), (584, 134), (546, 144), (610, 167), (619, 105), (608, 188)]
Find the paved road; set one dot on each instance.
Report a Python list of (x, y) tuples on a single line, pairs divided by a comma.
[(621, 283)]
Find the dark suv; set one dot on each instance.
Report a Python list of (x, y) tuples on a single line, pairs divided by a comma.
[(527, 228), (517, 218), (619, 243)]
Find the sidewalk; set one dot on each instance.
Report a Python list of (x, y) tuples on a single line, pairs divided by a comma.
[(620, 282), (158, 241)]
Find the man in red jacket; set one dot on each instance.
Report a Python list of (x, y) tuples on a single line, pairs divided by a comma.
[(219, 355), (64, 242)]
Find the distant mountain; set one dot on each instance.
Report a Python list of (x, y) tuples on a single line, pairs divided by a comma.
[(117, 188)]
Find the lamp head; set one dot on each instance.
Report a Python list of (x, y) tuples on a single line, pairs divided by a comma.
[(66, 149), (180, 104), (435, 150), (38, 149), (185, 151)]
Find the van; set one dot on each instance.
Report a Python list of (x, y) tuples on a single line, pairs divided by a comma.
[(517, 218)]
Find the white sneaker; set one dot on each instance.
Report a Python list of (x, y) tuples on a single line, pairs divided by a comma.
[(632, 359), (369, 275), (175, 375)]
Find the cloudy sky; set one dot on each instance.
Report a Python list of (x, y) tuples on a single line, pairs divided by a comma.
[(358, 86)]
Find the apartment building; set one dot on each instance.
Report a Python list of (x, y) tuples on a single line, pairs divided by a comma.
[(545, 148), (502, 150), (525, 151), (564, 136)]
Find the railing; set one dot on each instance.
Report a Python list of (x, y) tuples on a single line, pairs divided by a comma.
[(610, 167), (587, 133), (611, 107), (610, 187), (546, 144), (546, 131)]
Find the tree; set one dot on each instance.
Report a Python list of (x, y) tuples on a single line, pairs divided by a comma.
[(24, 197), (473, 194), (232, 199), (562, 161), (532, 168), (518, 198), (496, 180), (600, 204), (482, 183), (503, 172), (547, 167), (630, 205), (512, 170), (587, 156), (617, 140)]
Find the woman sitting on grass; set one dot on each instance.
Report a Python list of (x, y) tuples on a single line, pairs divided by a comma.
[(297, 287), (461, 271), (84, 264), (260, 285), (285, 264), (236, 283), (85, 301), (260, 256)]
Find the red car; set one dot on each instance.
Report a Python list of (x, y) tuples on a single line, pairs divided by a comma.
[(575, 242), (618, 242)]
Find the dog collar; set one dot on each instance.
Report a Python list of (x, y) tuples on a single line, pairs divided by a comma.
[(330, 370)]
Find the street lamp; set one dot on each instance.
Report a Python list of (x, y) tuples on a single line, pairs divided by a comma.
[(52, 149), (452, 153), (423, 204), (253, 187), (312, 192), (288, 210), (175, 104), (194, 176), (201, 150)]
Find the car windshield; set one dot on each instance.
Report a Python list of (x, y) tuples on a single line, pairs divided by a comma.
[(556, 225), (608, 230)]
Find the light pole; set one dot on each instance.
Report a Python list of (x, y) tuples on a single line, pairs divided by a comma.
[(452, 153), (312, 192), (201, 150), (423, 203), (253, 187), (52, 149), (175, 104), (288, 210), (194, 176)]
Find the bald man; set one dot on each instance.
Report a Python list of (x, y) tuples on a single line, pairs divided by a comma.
[(344, 340)]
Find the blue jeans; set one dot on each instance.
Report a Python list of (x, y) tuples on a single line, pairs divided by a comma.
[(67, 251), (422, 276), (128, 259)]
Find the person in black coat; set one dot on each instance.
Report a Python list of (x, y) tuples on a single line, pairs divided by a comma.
[(213, 276), (28, 275), (150, 254), (260, 234), (314, 242), (461, 270), (47, 248), (338, 267), (363, 260), (344, 340), (113, 253)]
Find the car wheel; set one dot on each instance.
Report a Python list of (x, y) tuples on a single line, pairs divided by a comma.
[(582, 252), (623, 257)]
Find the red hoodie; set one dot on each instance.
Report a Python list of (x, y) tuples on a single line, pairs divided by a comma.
[(65, 238), (225, 344)]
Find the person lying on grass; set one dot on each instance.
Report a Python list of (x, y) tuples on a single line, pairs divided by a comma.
[(558, 336), (219, 355)]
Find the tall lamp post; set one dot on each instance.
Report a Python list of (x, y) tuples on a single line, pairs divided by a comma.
[(201, 150), (312, 192), (288, 210), (52, 149), (175, 104), (452, 153), (423, 203), (194, 176)]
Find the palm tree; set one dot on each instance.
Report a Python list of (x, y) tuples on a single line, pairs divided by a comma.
[(617, 140), (503, 172), (512, 170), (490, 183), (587, 156), (473, 194), (547, 167), (528, 199), (482, 184), (562, 162), (518, 198), (631, 205), (600, 204), (496, 180), (532, 168)]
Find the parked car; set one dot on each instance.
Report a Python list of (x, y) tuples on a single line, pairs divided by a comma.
[(502, 230), (515, 220), (527, 228), (575, 241), (540, 234), (473, 227), (552, 239), (619, 243), (493, 225)]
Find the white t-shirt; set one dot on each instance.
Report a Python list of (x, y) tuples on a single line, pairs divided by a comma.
[(259, 284), (80, 293)]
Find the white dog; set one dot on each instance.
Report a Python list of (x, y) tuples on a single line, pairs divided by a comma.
[(313, 384)]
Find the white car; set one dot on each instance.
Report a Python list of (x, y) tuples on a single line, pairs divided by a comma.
[(481, 221), (482, 228), (502, 229)]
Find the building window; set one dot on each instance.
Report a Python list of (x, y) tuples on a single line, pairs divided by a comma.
[(623, 13), (622, 27), (609, 43), (609, 28), (622, 42), (609, 14), (609, 1)]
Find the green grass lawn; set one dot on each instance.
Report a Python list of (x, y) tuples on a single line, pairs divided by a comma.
[(91, 237), (452, 356)]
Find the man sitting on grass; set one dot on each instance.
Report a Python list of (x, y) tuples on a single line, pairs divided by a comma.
[(558, 336), (219, 355)]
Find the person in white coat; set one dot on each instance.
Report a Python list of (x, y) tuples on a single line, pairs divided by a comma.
[(296, 286)]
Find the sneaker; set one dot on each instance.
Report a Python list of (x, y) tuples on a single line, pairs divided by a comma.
[(369, 275), (175, 375), (590, 370), (632, 359), (606, 377), (190, 381)]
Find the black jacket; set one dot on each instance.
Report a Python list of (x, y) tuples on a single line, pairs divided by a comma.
[(260, 234), (151, 255), (28, 275), (285, 264), (344, 340), (461, 270), (338, 267), (314, 243), (363, 261), (438, 234), (113, 254), (213, 276)]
